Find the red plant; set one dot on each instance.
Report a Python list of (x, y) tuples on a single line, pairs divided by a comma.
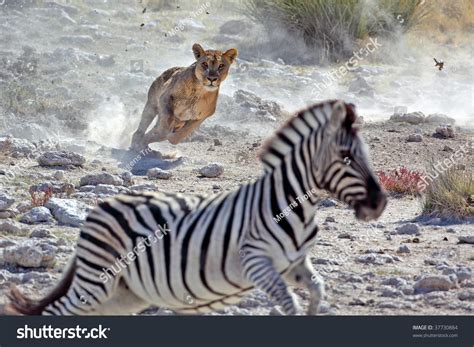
[(402, 180), (40, 198)]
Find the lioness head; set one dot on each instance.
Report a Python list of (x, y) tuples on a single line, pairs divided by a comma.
[(212, 66)]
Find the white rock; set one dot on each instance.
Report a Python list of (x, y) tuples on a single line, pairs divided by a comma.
[(61, 158), (445, 131), (403, 249), (100, 178), (466, 239), (38, 214), (11, 226), (30, 254), (16, 147), (68, 211), (430, 283), (5, 201), (106, 189), (415, 138), (212, 170), (407, 229), (157, 173), (412, 118)]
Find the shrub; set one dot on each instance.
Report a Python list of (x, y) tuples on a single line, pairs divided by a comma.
[(333, 26), (400, 181), (451, 194)]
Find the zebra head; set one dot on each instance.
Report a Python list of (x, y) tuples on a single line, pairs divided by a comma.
[(342, 165)]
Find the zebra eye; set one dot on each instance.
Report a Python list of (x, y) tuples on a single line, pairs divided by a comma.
[(346, 154)]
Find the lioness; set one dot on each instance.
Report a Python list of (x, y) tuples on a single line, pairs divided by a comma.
[(183, 97)]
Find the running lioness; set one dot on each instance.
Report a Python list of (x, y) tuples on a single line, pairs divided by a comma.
[(183, 97)]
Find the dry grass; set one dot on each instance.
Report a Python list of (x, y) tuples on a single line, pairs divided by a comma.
[(334, 26), (450, 195)]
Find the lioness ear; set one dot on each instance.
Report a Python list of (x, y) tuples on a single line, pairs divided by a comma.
[(338, 115), (231, 54), (198, 51)]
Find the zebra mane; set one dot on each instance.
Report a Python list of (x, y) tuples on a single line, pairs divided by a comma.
[(301, 124)]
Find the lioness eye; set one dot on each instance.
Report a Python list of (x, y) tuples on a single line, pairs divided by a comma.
[(221, 66), (204, 65)]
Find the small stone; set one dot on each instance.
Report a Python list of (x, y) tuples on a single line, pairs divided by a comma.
[(100, 178), (157, 173), (344, 236), (432, 283), (217, 142), (128, 178), (415, 138), (330, 219), (24, 206), (38, 214), (466, 295), (445, 131), (403, 249), (30, 254), (61, 158), (391, 293), (466, 239), (58, 175), (5, 201), (411, 118), (389, 304), (407, 229), (446, 148), (461, 272), (328, 202), (212, 170), (105, 189), (11, 226), (376, 259), (40, 233), (394, 281), (68, 211)]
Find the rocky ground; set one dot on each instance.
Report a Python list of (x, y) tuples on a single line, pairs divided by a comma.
[(400, 264), (71, 97)]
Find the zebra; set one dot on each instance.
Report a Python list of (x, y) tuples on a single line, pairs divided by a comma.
[(214, 250)]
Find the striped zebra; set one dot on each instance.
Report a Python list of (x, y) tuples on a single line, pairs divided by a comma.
[(211, 251)]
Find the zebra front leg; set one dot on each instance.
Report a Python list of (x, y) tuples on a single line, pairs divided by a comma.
[(304, 274), (260, 271)]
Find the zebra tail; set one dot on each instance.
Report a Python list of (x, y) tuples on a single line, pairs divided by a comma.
[(22, 305)]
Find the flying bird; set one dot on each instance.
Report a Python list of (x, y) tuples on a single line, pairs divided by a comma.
[(439, 64)]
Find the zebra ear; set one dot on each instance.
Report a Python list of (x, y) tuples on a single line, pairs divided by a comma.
[(338, 114)]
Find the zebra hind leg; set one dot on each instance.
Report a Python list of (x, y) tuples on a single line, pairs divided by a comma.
[(304, 274), (260, 271)]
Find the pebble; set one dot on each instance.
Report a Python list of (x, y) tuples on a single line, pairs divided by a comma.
[(5, 201), (68, 211), (30, 254), (403, 249), (212, 170), (61, 158), (36, 215), (11, 226), (330, 219), (415, 138), (466, 239), (430, 283), (394, 281), (100, 178), (407, 229), (157, 173)]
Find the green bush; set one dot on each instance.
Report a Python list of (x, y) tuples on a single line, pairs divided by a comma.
[(334, 26)]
